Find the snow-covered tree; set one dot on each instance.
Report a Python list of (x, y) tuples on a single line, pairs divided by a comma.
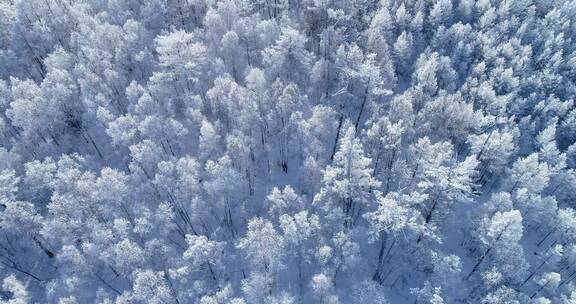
[(347, 184)]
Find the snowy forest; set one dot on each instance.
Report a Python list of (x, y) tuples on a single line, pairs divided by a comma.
[(288, 151)]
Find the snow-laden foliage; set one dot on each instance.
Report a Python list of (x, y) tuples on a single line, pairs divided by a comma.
[(287, 151)]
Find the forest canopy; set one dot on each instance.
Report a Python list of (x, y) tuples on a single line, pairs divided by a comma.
[(287, 151)]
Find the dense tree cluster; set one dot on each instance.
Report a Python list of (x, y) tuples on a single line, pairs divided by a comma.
[(287, 151)]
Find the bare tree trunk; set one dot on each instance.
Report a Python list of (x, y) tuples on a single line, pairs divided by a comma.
[(340, 120), (361, 110), (379, 267)]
